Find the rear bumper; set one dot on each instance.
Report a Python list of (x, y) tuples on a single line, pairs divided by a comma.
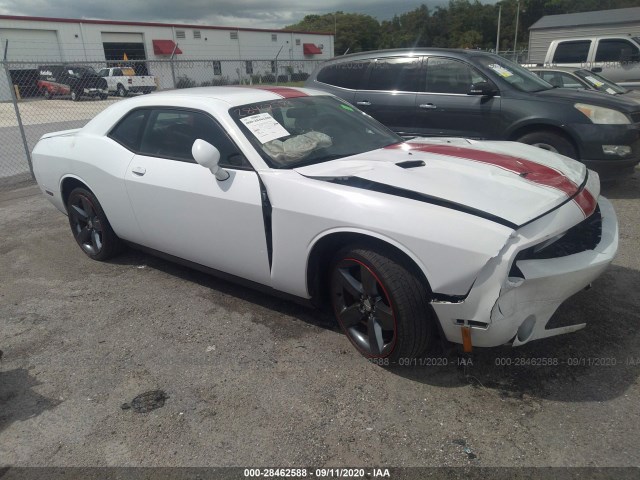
[(501, 310)]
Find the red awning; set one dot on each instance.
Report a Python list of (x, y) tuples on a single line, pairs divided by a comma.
[(165, 47), (310, 49)]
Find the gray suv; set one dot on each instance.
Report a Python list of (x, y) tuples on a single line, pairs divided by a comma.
[(473, 94)]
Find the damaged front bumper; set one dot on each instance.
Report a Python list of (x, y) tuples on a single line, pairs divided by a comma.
[(513, 305)]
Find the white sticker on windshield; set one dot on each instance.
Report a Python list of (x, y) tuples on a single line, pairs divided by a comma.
[(264, 127), (611, 91), (500, 70), (595, 81)]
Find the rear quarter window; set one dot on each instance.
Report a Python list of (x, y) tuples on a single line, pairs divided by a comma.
[(344, 74), (128, 131), (572, 51)]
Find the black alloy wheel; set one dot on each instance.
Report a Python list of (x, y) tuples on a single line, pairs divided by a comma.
[(363, 308), (381, 301), (90, 226)]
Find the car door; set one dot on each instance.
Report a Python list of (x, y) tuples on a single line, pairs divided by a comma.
[(617, 59), (389, 92), (445, 107), (183, 210)]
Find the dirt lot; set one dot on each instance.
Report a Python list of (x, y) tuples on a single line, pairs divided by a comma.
[(254, 380)]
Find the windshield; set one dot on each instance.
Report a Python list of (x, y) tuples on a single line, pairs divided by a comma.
[(599, 83), (293, 132), (511, 72)]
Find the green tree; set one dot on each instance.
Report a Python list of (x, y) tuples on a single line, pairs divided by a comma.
[(354, 32)]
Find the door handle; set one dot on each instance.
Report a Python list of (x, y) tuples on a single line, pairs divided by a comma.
[(140, 171), (364, 104), (427, 106)]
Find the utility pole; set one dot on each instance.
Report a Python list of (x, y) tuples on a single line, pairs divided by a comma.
[(498, 35), (515, 39)]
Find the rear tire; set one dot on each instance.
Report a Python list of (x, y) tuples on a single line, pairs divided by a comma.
[(550, 141), (121, 92), (46, 94), (90, 227), (381, 304)]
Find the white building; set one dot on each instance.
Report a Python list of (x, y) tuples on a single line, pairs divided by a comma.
[(255, 51)]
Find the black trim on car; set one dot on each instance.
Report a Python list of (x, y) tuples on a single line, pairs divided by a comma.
[(364, 184), (266, 215), (307, 302)]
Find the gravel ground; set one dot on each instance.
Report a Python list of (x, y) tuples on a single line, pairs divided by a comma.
[(252, 380)]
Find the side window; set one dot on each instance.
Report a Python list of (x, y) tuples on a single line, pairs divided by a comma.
[(129, 130), (572, 52), (117, 72), (170, 134), (345, 74), (401, 74), (103, 73), (445, 75), (615, 50)]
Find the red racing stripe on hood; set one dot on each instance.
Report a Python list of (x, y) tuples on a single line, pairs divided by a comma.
[(284, 92), (529, 170)]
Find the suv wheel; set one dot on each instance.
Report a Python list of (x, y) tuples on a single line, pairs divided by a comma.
[(550, 141)]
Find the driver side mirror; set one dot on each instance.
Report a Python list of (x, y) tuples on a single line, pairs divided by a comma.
[(209, 157), (484, 89)]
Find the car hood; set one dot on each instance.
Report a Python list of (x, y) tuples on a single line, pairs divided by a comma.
[(593, 97), (506, 182)]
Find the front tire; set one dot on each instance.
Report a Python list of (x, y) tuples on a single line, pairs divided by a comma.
[(550, 141), (90, 226), (381, 304), (75, 96)]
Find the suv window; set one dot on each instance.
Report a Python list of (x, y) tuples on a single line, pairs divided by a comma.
[(128, 131), (616, 50), (445, 75), (104, 72), (170, 133), (401, 74), (572, 52), (345, 74), (561, 79)]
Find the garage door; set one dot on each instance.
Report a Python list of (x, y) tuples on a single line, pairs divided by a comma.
[(29, 44), (121, 37)]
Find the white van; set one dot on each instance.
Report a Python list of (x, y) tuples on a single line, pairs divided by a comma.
[(616, 57)]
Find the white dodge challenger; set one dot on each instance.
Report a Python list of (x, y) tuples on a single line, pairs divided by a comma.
[(297, 192)]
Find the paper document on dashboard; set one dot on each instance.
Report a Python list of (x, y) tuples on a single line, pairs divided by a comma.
[(264, 127)]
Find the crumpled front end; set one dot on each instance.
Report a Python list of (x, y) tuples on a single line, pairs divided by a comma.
[(518, 290)]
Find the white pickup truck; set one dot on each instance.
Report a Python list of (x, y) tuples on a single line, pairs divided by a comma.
[(123, 80)]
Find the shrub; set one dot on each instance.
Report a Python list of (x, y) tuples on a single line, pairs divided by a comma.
[(283, 78), (268, 78), (299, 77), (185, 82)]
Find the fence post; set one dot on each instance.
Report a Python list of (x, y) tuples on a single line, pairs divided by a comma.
[(18, 117), (173, 72)]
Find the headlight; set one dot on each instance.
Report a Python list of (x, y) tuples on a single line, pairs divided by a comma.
[(603, 116)]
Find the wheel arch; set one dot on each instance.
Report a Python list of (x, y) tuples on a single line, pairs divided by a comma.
[(325, 246), (67, 184), (525, 129)]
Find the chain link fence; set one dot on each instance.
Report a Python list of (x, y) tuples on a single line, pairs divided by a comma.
[(42, 97)]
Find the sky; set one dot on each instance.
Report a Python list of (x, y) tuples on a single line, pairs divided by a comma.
[(236, 13)]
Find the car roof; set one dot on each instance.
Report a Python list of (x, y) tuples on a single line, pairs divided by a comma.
[(236, 95), (405, 51)]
